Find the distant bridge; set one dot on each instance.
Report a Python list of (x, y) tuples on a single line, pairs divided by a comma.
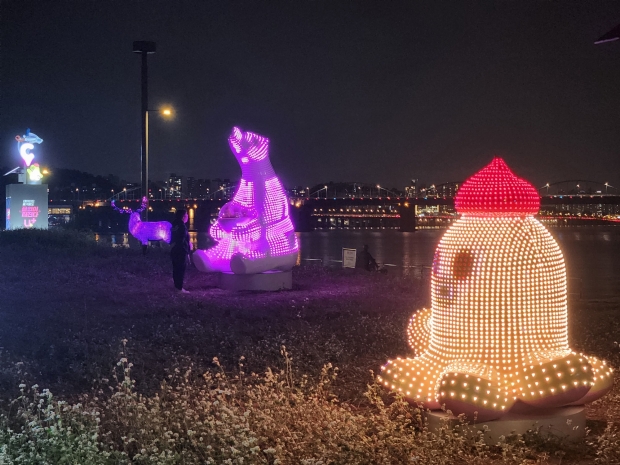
[(372, 207), (578, 187)]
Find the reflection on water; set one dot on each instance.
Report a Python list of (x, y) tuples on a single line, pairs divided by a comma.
[(117, 240), (388, 247), (592, 254)]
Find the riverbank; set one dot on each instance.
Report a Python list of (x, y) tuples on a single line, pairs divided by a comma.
[(72, 309)]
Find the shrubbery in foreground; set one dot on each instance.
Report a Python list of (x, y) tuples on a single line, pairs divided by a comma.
[(272, 418)]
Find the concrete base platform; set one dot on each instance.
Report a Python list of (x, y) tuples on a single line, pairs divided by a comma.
[(267, 281), (567, 423)]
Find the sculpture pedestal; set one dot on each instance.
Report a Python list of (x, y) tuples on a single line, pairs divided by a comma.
[(267, 281), (565, 422)]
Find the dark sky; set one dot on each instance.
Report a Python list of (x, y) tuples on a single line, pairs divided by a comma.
[(375, 91)]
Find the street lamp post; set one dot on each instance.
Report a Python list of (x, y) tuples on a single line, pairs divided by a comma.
[(145, 48)]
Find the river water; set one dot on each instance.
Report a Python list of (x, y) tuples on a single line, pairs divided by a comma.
[(592, 253)]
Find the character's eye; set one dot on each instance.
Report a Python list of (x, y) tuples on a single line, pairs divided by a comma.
[(463, 264)]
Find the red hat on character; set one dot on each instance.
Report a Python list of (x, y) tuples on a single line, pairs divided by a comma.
[(496, 191)]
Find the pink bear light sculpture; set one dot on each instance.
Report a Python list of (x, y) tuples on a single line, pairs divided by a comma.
[(146, 231), (254, 231), (495, 339)]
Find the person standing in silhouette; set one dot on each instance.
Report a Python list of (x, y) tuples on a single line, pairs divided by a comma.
[(181, 247), (365, 260)]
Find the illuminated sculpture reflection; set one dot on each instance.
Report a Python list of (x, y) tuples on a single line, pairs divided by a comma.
[(254, 231), (496, 333), (146, 231)]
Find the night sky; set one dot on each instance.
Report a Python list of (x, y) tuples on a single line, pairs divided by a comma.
[(370, 91)]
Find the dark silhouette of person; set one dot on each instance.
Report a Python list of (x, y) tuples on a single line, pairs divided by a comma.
[(181, 247), (365, 260)]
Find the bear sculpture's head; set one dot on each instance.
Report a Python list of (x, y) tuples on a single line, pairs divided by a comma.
[(248, 147)]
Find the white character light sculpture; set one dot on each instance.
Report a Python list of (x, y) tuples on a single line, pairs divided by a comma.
[(254, 231), (146, 231), (496, 332)]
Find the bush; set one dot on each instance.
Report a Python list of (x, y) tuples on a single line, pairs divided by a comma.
[(273, 418), (45, 431)]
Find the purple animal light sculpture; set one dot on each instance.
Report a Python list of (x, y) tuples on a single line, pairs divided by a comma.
[(146, 231), (254, 231)]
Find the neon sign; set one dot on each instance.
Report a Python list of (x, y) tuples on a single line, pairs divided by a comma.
[(34, 173), (254, 231), (30, 213), (25, 144)]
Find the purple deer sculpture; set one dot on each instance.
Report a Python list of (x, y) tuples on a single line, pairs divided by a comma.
[(146, 231)]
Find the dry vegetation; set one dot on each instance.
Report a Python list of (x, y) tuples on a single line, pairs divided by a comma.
[(141, 374)]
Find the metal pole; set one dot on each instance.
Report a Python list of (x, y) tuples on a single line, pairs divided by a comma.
[(146, 168), (144, 48), (145, 133)]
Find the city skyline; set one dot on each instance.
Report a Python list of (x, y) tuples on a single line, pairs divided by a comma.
[(361, 91)]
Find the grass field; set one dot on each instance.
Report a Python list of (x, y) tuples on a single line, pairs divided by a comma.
[(103, 328)]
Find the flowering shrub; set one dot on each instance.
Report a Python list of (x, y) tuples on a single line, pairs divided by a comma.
[(273, 418), (48, 431)]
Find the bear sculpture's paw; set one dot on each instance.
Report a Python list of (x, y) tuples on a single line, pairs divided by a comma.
[(202, 259), (241, 264)]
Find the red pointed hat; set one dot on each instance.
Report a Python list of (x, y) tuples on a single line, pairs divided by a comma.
[(496, 191)]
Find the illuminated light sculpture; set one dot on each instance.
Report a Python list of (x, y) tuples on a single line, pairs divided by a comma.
[(34, 174), (496, 333), (25, 144), (27, 200), (146, 231), (254, 231)]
